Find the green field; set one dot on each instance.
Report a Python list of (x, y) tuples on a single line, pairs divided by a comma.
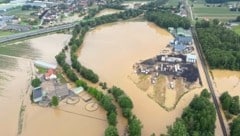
[(236, 29), (173, 3), (5, 33), (201, 10)]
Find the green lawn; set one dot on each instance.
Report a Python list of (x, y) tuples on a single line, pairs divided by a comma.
[(236, 29), (173, 3), (5, 33)]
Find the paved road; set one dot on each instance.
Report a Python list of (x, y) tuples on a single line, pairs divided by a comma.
[(36, 32), (205, 69)]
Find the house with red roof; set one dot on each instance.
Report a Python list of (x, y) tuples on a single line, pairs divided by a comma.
[(51, 74)]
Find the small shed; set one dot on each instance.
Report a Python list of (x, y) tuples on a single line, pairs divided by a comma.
[(191, 58), (37, 94), (78, 90)]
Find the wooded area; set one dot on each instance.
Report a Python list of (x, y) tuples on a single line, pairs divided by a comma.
[(220, 45)]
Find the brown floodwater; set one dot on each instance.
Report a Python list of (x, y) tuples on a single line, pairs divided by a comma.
[(16, 70), (112, 49), (226, 80)]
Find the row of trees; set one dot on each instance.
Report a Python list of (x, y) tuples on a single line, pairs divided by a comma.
[(104, 100), (220, 45), (198, 119), (166, 19), (134, 124), (230, 104)]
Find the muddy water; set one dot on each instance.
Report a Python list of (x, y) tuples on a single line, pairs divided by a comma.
[(13, 84), (226, 80), (15, 77), (111, 50), (49, 45), (107, 12)]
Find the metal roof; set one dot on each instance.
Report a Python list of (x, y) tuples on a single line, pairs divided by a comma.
[(37, 92)]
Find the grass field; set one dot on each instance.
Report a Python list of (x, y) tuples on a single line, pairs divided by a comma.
[(5, 33), (201, 10), (173, 3), (236, 29)]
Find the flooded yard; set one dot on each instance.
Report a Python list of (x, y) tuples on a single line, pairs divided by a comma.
[(20, 116), (112, 49)]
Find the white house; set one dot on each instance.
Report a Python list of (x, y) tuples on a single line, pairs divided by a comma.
[(191, 58)]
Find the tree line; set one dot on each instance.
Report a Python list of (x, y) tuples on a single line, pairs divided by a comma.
[(231, 106), (126, 104), (198, 119), (220, 45), (167, 19), (134, 127)]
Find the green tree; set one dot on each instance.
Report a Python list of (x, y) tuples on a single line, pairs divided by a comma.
[(235, 127), (81, 83), (36, 82), (134, 127), (112, 118), (226, 101), (235, 107), (55, 101), (111, 131), (200, 117), (125, 102), (205, 93), (178, 129)]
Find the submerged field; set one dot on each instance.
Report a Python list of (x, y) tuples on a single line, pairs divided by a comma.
[(126, 47)]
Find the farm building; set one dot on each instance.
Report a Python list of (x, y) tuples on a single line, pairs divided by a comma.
[(37, 94), (183, 32), (184, 40), (191, 58), (53, 88), (50, 75), (43, 64), (179, 48)]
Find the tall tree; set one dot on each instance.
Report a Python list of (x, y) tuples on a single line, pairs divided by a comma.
[(111, 131), (178, 129)]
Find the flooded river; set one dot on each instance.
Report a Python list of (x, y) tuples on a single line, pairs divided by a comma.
[(112, 49)]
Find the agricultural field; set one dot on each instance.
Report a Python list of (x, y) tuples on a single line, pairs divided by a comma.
[(173, 3), (210, 11)]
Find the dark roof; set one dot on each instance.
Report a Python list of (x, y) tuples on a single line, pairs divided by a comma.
[(179, 47), (37, 92), (183, 40)]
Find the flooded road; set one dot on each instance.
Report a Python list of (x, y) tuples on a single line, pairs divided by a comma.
[(112, 49)]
